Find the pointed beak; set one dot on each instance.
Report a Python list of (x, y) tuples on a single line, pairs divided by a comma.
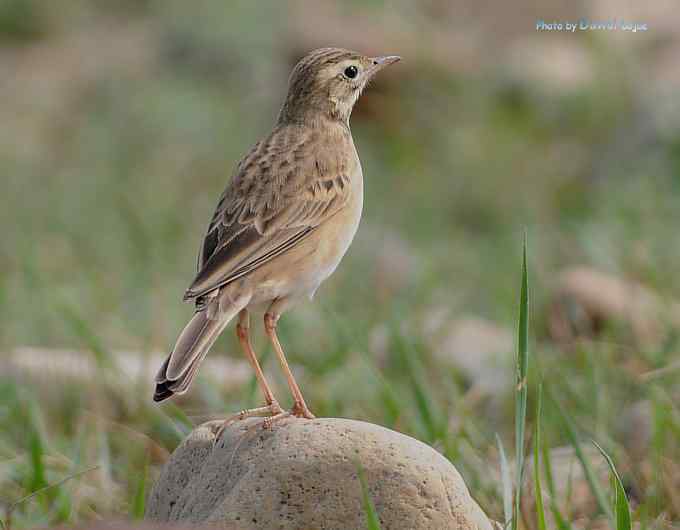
[(381, 62)]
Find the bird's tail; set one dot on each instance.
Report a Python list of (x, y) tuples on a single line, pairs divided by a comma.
[(179, 369)]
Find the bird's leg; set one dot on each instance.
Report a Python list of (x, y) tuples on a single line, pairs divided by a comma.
[(242, 328), (271, 407), (300, 408)]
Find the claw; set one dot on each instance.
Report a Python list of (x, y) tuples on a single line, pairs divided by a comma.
[(268, 422), (271, 410), (300, 410)]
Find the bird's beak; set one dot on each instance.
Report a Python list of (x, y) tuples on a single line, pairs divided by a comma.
[(381, 62)]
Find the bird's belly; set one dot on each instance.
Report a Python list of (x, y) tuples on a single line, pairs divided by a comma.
[(336, 247), (299, 272), (335, 236)]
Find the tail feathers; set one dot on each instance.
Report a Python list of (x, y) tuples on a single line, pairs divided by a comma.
[(162, 392), (193, 344)]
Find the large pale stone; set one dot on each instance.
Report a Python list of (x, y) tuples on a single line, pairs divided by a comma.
[(302, 474), (587, 301), (480, 350)]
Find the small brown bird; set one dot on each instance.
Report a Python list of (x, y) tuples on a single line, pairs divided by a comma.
[(283, 223)]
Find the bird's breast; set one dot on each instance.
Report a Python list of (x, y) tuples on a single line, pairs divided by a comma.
[(336, 235)]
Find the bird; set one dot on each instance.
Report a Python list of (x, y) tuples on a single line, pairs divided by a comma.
[(282, 225)]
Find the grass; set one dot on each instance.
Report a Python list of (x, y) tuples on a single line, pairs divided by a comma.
[(513, 512), (111, 173), (6, 521), (590, 474), (622, 520), (538, 489), (521, 385), (139, 499), (621, 506), (506, 481)]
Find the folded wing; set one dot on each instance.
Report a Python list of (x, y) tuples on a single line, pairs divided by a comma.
[(282, 190)]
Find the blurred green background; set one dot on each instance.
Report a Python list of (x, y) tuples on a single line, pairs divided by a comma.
[(120, 124)]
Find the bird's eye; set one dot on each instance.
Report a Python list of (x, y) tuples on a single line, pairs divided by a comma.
[(351, 72)]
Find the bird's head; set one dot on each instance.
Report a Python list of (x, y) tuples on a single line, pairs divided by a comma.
[(328, 82)]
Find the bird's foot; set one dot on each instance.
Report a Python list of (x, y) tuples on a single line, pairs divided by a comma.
[(268, 422), (271, 414), (268, 411), (299, 410)]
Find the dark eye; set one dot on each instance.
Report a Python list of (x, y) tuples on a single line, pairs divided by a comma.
[(351, 71)]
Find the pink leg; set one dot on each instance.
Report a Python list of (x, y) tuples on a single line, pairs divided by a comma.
[(242, 329), (300, 408)]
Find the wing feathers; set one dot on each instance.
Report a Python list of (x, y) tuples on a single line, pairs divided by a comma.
[(283, 189)]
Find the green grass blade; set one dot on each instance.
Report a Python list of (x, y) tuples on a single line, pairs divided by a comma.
[(547, 468), (139, 500), (37, 443), (63, 506), (179, 419), (37, 451), (595, 487), (506, 481), (425, 409), (432, 422), (372, 520), (560, 521), (521, 384), (538, 490), (621, 507)]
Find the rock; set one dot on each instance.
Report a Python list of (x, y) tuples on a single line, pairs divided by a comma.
[(637, 426), (302, 474), (46, 365), (586, 301), (482, 351), (138, 525)]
